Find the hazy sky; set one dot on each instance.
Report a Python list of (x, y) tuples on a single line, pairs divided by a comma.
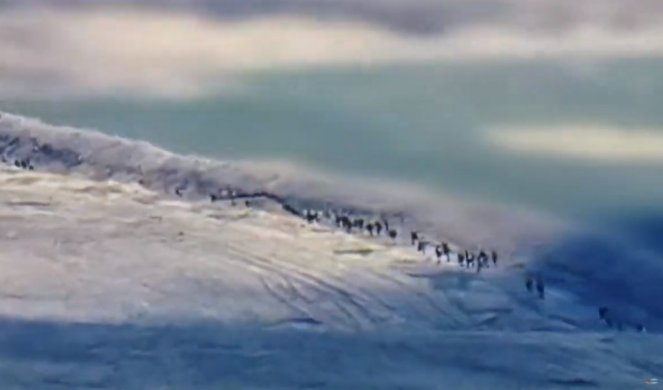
[(417, 16), (185, 48)]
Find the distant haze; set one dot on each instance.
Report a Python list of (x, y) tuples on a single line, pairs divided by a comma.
[(416, 16), (185, 49)]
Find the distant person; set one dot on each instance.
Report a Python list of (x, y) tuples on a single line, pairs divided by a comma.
[(494, 257), (461, 259), (482, 258), (421, 246), (438, 253), (540, 288), (469, 259), (392, 234), (529, 284), (447, 251), (378, 228), (345, 221), (414, 237), (311, 216), (603, 313), (369, 228)]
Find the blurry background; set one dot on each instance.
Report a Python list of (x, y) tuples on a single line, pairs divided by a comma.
[(555, 106)]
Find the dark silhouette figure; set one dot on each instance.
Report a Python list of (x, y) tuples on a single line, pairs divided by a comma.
[(414, 237), (603, 313), (461, 259), (446, 251), (438, 253), (346, 223), (178, 190), (378, 228), (213, 197), (247, 203), (479, 265), (540, 288), (421, 246), (359, 223), (493, 255), (392, 234), (469, 259), (311, 216), (482, 259), (369, 228), (386, 225), (529, 284), (338, 220)]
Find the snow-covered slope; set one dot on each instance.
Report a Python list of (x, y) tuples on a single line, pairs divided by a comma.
[(109, 284)]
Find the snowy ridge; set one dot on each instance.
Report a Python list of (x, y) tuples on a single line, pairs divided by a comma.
[(108, 157), (124, 287)]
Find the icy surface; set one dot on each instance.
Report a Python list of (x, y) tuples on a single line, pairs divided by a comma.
[(109, 284)]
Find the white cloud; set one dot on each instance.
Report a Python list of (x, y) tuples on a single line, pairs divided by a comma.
[(107, 50), (591, 143)]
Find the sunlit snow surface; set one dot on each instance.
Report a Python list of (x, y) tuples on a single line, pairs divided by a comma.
[(107, 284)]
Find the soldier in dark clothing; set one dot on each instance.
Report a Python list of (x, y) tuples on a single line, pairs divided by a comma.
[(540, 288), (438, 253), (312, 216), (446, 251), (414, 237), (378, 228), (345, 222), (461, 259), (369, 228), (469, 259), (494, 257), (482, 258)]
